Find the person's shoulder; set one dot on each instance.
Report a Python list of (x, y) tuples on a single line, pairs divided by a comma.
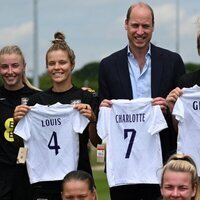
[(161, 50), (38, 97), (82, 92), (115, 55), (189, 79), (87, 93), (195, 74), (31, 91)]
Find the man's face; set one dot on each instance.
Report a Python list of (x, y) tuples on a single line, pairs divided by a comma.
[(139, 28)]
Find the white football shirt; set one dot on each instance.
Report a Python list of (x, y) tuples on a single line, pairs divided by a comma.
[(187, 112), (51, 135), (131, 129)]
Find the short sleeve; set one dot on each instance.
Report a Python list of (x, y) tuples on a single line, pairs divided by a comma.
[(158, 122), (103, 124), (79, 122), (178, 110), (23, 128)]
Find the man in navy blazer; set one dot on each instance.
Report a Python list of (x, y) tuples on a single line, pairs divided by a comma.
[(141, 69), (114, 78)]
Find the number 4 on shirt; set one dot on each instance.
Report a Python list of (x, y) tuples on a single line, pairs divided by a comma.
[(130, 145), (53, 143)]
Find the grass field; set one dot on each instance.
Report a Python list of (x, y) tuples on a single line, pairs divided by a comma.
[(101, 185), (99, 177)]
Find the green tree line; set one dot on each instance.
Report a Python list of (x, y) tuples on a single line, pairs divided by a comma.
[(88, 75)]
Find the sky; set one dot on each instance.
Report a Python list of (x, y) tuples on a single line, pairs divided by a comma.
[(94, 28)]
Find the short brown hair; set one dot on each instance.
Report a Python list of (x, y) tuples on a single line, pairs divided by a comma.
[(142, 4)]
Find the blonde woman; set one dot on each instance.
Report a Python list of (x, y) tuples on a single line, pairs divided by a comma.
[(179, 179), (14, 183)]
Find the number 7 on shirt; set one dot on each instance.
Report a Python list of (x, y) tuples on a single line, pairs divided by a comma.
[(133, 132)]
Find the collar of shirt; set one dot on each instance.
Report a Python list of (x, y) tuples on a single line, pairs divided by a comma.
[(148, 54)]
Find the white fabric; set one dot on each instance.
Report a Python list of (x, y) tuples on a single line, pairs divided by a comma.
[(44, 128), (143, 162), (187, 112)]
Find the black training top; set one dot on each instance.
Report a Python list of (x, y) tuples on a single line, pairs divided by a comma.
[(8, 101), (190, 79)]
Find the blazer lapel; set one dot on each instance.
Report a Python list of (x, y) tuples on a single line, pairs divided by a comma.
[(156, 70), (123, 73)]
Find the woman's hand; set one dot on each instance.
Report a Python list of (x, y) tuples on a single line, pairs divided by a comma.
[(88, 89), (172, 98), (106, 103), (161, 102), (86, 110), (20, 111)]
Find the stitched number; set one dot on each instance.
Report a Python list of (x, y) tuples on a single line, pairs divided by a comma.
[(53, 143), (133, 132)]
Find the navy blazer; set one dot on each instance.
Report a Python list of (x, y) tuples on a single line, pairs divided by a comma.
[(166, 68), (114, 79)]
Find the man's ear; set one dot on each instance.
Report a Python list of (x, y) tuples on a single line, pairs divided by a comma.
[(125, 24)]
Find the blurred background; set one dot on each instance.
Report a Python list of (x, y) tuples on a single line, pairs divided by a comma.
[(93, 29)]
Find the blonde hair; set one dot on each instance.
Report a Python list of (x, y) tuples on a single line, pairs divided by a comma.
[(59, 43), (183, 163), (14, 49)]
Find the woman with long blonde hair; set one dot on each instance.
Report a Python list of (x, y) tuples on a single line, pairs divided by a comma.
[(14, 182)]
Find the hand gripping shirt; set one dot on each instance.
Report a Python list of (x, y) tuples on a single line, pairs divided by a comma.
[(187, 112), (51, 135), (133, 152)]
